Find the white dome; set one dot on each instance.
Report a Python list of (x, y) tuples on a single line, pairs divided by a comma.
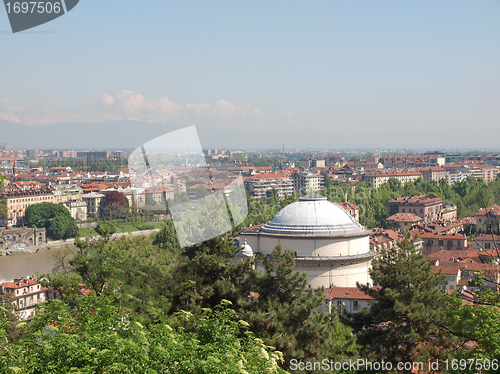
[(313, 215), (247, 250)]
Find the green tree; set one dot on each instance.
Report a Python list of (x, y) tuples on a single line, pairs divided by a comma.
[(54, 217), (201, 191), (281, 310), (105, 229), (99, 336), (403, 324), (207, 274), (477, 323), (167, 238)]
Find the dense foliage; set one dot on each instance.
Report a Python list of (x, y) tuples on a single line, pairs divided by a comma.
[(54, 217), (404, 323), (114, 205), (468, 195), (96, 336)]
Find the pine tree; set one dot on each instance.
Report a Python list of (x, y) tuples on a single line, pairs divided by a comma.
[(403, 325), (206, 275), (281, 310), (167, 238)]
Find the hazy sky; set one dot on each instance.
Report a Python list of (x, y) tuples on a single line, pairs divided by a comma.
[(323, 74)]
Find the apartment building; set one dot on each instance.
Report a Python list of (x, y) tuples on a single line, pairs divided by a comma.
[(433, 173), (488, 220), (20, 195), (379, 177), (427, 207), (306, 181), (433, 242), (257, 185)]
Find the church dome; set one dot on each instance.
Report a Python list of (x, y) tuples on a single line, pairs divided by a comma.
[(313, 215), (247, 250)]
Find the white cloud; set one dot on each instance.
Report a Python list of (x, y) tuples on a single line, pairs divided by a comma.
[(130, 106)]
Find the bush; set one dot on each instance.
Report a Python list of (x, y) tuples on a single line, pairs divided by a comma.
[(105, 228)]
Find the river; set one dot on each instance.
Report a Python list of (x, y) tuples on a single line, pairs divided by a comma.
[(18, 266)]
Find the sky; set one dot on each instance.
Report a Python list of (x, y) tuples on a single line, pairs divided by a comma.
[(254, 75)]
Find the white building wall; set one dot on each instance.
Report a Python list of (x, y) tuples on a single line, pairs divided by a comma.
[(342, 246)]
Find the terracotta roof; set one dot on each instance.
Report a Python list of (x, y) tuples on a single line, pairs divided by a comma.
[(413, 200), (266, 176), (487, 237), (491, 209), (388, 173), (446, 270), (431, 235), (352, 293), (347, 205), (404, 217)]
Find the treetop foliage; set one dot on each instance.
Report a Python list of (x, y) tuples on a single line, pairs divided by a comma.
[(404, 323), (54, 217)]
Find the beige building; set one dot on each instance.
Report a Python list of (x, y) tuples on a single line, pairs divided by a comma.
[(488, 220), (18, 200), (307, 181), (329, 245), (379, 177), (403, 221), (25, 293), (77, 209), (258, 185), (347, 299), (67, 192), (93, 201)]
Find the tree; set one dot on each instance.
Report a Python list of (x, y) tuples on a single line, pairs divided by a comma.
[(114, 205), (105, 229), (167, 238), (99, 336), (272, 194), (403, 324), (281, 310), (207, 274), (201, 191), (54, 217)]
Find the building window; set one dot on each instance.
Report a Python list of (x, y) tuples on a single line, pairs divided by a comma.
[(487, 245), (421, 210), (440, 242), (403, 210), (355, 305)]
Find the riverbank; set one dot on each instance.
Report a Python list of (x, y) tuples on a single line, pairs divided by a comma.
[(43, 258), (69, 242)]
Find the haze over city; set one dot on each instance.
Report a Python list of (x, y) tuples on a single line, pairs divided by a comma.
[(323, 75)]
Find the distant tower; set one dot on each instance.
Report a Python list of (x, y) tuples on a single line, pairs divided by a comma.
[(283, 153), (14, 168)]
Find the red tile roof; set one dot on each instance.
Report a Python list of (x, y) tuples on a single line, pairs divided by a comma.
[(491, 209), (404, 217), (346, 293)]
